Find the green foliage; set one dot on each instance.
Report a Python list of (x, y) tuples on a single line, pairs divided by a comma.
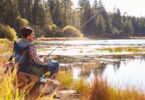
[(7, 32), (100, 24), (22, 21), (115, 31), (127, 27), (71, 31), (52, 31), (38, 14), (8, 12), (55, 10)]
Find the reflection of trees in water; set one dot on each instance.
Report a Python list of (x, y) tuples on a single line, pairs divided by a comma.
[(89, 63), (142, 58), (116, 65), (100, 69)]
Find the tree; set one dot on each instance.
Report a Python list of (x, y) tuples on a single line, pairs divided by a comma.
[(8, 12), (38, 14), (87, 18), (116, 20), (66, 12), (55, 11), (128, 27), (100, 24)]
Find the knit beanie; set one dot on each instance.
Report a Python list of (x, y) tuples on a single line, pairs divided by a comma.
[(26, 31)]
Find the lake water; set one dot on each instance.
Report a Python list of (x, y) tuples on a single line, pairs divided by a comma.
[(85, 57)]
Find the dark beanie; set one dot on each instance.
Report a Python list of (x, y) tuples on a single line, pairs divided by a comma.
[(26, 31)]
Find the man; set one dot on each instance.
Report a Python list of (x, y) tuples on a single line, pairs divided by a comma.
[(29, 61)]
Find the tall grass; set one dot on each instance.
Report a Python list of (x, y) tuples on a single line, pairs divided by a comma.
[(8, 90), (66, 79), (101, 90)]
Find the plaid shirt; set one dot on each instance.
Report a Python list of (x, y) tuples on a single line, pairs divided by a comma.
[(34, 56)]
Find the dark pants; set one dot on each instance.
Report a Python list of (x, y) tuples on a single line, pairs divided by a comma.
[(52, 66)]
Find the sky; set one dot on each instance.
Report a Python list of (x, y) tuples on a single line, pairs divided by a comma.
[(128, 7)]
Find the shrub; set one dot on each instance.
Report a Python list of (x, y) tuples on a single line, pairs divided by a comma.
[(52, 30), (22, 21), (115, 31), (38, 31), (71, 31), (7, 32)]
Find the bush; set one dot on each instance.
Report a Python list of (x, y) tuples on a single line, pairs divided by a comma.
[(38, 32), (22, 21), (7, 32), (72, 32), (52, 31)]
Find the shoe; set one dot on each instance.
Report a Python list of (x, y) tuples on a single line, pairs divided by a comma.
[(55, 82), (49, 91), (57, 96), (45, 80)]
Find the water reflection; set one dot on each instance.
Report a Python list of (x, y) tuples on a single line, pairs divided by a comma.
[(76, 73), (90, 79), (130, 72)]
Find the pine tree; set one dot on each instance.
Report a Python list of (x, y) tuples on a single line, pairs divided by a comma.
[(55, 11)]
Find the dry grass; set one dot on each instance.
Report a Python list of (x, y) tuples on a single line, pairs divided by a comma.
[(101, 90), (66, 79)]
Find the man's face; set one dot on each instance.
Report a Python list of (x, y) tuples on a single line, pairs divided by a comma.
[(31, 37)]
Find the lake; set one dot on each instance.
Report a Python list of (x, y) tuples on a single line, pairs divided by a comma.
[(121, 62)]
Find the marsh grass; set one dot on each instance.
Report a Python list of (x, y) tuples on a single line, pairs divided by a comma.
[(66, 79), (122, 49), (7, 88), (101, 90)]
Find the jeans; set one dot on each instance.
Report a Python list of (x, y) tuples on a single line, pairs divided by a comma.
[(53, 67), (40, 70)]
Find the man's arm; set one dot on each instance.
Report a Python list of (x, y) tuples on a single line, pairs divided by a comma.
[(34, 56)]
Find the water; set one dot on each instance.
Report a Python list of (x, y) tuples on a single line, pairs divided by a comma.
[(119, 68), (129, 72)]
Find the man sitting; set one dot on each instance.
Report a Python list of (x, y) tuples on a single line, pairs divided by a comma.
[(28, 60)]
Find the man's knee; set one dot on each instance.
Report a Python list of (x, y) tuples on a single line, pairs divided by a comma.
[(56, 66)]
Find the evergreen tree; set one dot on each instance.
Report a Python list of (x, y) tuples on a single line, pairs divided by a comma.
[(100, 24), (55, 11), (116, 20), (128, 27), (38, 14), (8, 12)]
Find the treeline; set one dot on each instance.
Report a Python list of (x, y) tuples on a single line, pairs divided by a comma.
[(54, 17)]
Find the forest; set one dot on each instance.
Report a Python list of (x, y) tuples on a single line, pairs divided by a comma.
[(58, 18)]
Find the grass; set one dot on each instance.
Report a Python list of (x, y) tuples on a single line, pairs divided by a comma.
[(66, 79), (7, 88), (122, 49), (101, 90)]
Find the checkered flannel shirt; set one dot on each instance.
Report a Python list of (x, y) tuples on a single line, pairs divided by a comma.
[(34, 56)]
